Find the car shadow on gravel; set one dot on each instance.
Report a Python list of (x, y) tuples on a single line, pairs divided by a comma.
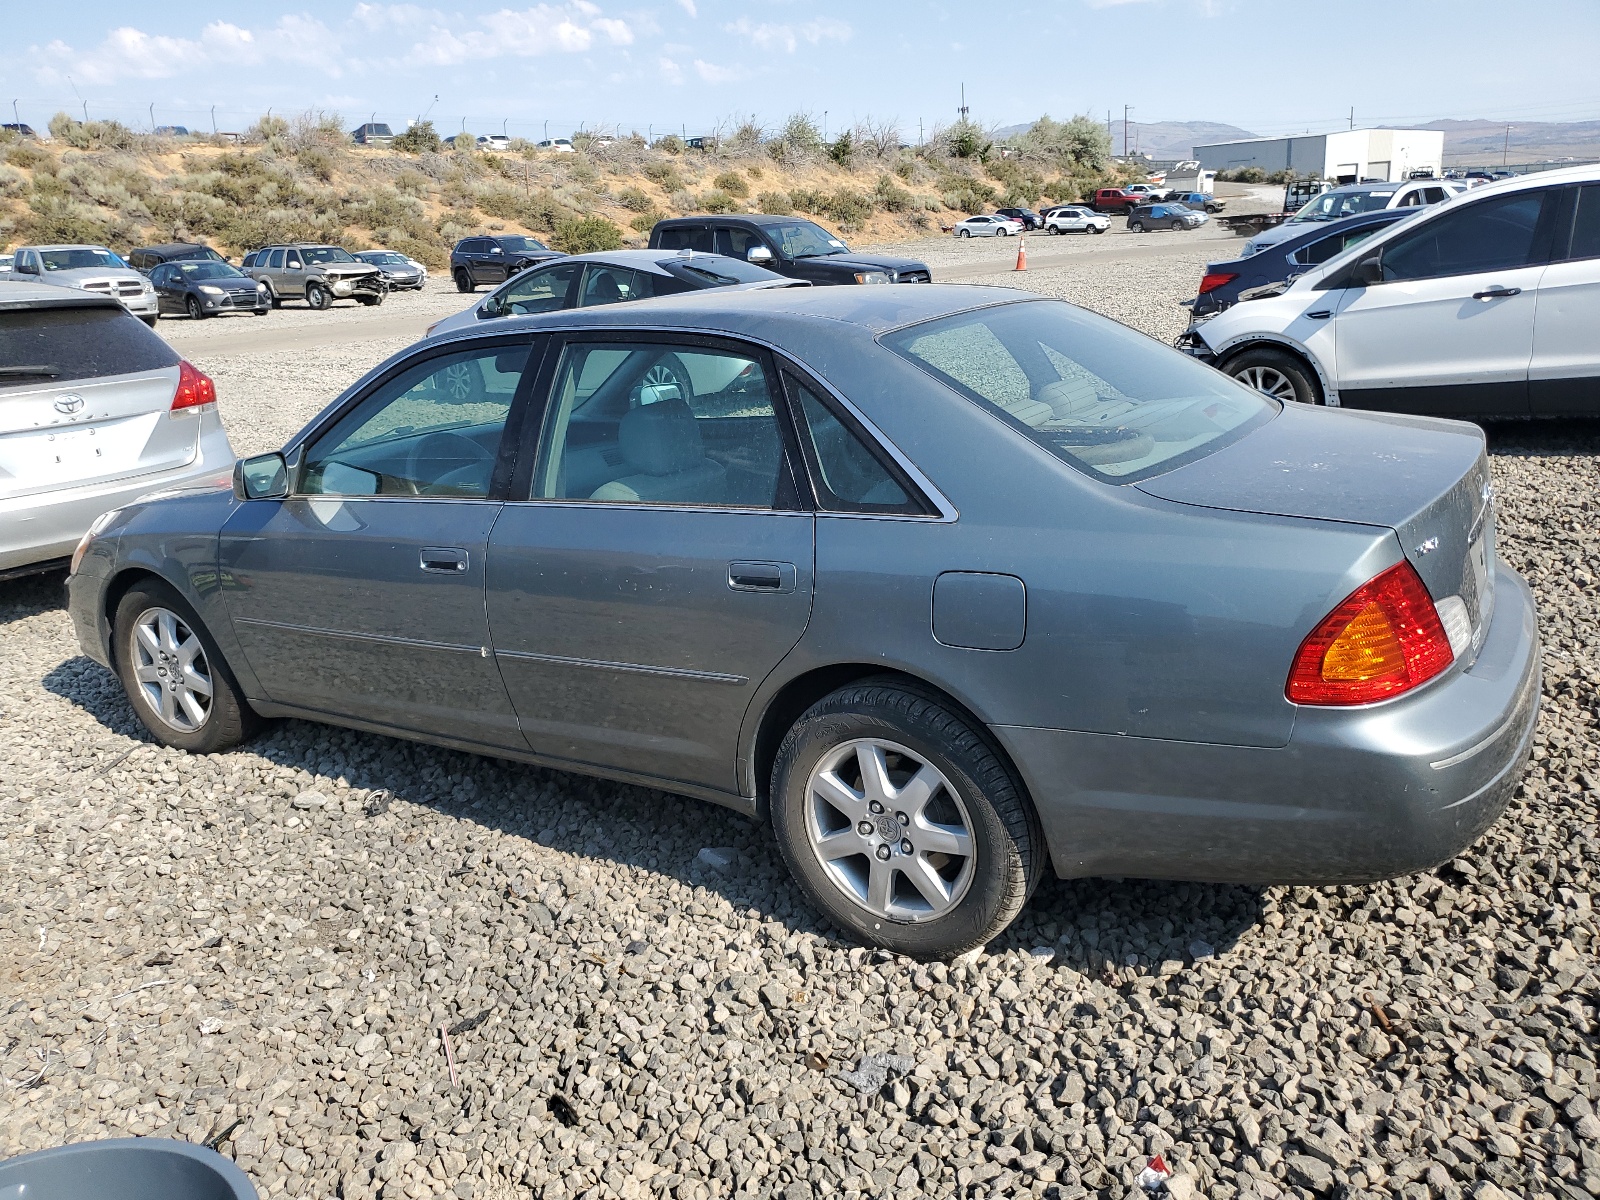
[(1091, 925)]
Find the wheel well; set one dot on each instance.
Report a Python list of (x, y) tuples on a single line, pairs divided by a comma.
[(1312, 371), (805, 690), (119, 587)]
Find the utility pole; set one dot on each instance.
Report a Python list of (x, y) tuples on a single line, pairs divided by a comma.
[(152, 116), (14, 115), (963, 110), (1126, 109), (1505, 151), (824, 124), (213, 120), (503, 132), (1352, 116)]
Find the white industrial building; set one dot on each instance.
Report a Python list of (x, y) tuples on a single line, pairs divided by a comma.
[(1347, 157)]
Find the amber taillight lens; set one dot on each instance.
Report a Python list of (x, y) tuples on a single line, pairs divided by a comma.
[(1384, 639)]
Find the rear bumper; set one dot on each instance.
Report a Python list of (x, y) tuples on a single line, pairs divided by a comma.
[(48, 525), (1357, 795)]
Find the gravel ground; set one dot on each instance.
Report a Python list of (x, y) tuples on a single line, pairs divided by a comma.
[(264, 945)]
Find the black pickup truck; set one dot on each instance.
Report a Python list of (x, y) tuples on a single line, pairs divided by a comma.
[(791, 246)]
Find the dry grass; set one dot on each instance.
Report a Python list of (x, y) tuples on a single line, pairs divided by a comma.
[(303, 180)]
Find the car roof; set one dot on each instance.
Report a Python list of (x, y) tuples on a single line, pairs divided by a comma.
[(168, 247), (50, 295), (70, 246), (867, 311)]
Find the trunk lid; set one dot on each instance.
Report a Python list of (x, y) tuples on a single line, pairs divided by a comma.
[(80, 432), (1428, 480)]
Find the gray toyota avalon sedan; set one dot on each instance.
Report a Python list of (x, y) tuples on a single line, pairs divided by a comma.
[(950, 585)]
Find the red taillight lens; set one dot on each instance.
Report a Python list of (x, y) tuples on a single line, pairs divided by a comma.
[(1212, 280), (1384, 639), (194, 387)]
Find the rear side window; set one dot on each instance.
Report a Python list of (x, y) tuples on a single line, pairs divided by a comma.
[(1491, 235), (58, 345), (1586, 224), (1092, 392), (849, 477), (697, 239)]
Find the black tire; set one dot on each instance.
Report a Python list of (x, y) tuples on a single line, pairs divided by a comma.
[(1135, 226), (464, 281), (1008, 853), (151, 320), (966, 233), (318, 297), (371, 301), (1096, 229), (228, 718), (193, 307), (272, 296), (258, 312), (1275, 373)]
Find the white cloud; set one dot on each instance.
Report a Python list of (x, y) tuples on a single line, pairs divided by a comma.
[(670, 71), (377, 17), (1112, 3), (711, 73), (688, 7), (129, 53), (545, 28), (789, 37)]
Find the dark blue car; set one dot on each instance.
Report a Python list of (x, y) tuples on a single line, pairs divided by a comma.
[(1223, 283)]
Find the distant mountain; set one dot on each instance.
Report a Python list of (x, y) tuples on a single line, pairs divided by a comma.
[(1485, 142), (1162, 139)]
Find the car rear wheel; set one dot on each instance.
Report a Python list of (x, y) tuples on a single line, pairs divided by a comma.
[(901, 822), (464, 281), (318, 297), (966, 233), (180, 688), (194, 309), (1275, 373)]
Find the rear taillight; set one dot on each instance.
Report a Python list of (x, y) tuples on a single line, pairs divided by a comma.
[(1384, 639), (1212, 280), (194, 387)]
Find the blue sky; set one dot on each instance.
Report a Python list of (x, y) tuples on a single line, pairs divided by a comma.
[(1266, 65)]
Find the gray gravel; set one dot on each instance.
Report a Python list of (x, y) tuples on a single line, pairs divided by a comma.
[(275, 937)]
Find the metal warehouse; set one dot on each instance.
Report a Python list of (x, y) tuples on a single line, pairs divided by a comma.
[(1348, 157)]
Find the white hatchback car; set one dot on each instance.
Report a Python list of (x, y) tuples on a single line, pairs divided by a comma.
[(988, 226), (95, 411), (1483, 307)]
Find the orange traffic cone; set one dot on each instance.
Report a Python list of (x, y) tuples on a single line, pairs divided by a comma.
[(1022, 252)]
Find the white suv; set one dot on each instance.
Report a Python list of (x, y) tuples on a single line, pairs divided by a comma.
[(1483, 307), (1337, 203)]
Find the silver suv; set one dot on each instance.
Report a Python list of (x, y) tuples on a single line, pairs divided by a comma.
[(92, 268), (95, 411), (318, 274)]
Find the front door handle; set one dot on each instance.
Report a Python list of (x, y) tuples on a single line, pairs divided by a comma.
[(446, 559), (1496, 293), (778, 577)]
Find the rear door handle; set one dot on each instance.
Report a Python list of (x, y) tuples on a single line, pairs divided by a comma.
[(446, 559), (1496, 293), (762, 576)]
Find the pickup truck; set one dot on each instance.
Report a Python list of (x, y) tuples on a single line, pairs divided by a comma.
[(88, 268), (1117, 200), (791, 246)]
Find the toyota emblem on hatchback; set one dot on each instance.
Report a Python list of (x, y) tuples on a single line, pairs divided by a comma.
[(69, 404)]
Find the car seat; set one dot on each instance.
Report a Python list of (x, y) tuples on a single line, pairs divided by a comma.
[(661, 445)]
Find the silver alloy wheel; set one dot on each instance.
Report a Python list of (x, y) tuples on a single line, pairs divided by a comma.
[(889, 830), (459, 384), (170, 669), (1269, 381)]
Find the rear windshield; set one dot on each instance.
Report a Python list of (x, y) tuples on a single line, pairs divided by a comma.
[(716, 270), (1097, 395), (41, 346)]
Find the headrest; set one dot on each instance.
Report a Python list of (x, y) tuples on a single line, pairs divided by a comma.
[(604, 290), (660, 438)]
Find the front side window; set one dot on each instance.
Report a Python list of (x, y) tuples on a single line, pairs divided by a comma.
[(736, 242), (1094, 393), (661, 423), (434, 430), (849, 476), (1491, 235), (539, 291)]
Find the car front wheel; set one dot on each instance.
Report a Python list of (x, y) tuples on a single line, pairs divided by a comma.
[(464, 281), (318, 297), (174, 675), (1275, 373), (901, 822), (964, 233)]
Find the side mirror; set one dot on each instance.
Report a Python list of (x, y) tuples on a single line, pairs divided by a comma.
[(758, 254), (264, 477), (27, 268), (1368, 271), (491, 307)]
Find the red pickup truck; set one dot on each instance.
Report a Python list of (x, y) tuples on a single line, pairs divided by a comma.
[(1117, 200)]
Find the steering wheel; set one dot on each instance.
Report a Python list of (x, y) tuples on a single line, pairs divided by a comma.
[(443, 445)]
